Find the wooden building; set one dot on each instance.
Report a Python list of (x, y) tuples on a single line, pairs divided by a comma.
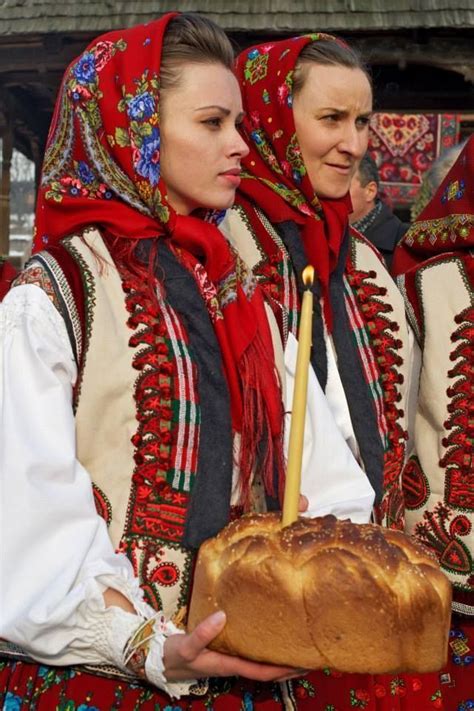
[(420, 51)]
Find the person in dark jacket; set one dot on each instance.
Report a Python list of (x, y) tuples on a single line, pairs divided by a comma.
[(370, 215)]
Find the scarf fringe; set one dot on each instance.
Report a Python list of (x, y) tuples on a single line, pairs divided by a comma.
[(261, 447)]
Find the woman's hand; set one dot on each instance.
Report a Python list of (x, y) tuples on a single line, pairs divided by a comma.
[(303, 503), (186, 657)]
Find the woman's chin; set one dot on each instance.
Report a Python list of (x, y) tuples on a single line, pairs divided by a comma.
[(333, 194)]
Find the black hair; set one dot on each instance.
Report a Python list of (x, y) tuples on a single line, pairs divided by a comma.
[(368, 171)]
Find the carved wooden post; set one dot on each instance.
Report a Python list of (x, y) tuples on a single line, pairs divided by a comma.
[(7, 149)]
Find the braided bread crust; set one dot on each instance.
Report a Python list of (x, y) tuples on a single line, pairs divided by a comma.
[(324, 593)]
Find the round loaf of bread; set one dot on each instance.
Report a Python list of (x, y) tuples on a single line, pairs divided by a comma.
[(324, 593)]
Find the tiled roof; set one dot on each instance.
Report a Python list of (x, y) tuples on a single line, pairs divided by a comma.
[(65, 16)]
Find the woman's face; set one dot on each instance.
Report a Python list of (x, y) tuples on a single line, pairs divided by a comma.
[(201, 147), (331, 113)]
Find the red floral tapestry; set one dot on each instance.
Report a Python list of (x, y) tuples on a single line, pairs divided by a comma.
[(405, 145)]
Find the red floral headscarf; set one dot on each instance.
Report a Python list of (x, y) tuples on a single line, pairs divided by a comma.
[(102, 168), (275, 175), (447, 222), (7, 274)]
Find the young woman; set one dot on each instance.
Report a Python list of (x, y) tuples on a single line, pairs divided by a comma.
[(435, 264), (308, 102), (136, 353)]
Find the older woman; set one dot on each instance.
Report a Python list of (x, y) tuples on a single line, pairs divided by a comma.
[(308, 102)]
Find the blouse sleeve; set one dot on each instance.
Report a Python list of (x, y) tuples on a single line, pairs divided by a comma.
[(56, 556), (331, 477)]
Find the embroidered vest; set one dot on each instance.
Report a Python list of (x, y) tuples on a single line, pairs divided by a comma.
[(137, 412), (438, 479), (377, 317), (137, 420)]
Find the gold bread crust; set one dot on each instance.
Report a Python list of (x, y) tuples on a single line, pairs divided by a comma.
[(324, 593)]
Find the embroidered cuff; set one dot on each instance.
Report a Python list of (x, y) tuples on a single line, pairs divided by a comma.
[(135, 645), (154, 667)]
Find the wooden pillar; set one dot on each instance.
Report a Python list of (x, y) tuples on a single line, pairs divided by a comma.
[(37, 157), (7, 150)]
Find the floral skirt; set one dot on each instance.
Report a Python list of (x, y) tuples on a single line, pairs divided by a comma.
[(35, 687), (450, 690)]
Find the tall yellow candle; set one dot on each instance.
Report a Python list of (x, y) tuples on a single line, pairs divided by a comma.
[(298, 411)]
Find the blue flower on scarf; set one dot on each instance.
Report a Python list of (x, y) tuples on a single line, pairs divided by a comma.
[(85, 173), (218, 216), (12, 702), (253, 54), (85, 707), (247, 704), (84, 71), (141, 106), (256, 138), (172, 708), (148, 165)]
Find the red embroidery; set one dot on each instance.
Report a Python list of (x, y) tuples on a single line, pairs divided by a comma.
[(166, 574), (459, 457), (442, 535), (102, 504), (385, 346), (155, 508), (152, 565), (416, 488)]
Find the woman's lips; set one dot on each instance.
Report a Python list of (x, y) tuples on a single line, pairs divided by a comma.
[(232, 177), (341, 169)]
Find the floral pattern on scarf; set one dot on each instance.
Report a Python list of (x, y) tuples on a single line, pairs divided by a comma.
[(447, 222), (275, 176), (102, 168)]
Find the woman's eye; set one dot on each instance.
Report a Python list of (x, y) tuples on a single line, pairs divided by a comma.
[(331, 118), (213, 122), (363, 121)]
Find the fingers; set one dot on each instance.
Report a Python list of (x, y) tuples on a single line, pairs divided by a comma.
[(236, 666), (297, 674), (187, 656), (204, 633), (303, 503)]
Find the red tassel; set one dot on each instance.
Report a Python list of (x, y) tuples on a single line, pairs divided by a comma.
[(261, 447)]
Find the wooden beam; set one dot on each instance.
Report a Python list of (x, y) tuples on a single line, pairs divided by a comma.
[(17, 56), (444, 53)]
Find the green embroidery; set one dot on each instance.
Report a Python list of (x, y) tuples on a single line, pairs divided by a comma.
[(256, 66)]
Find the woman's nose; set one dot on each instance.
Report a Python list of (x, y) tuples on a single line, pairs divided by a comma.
[(239, 146), (354, 141)]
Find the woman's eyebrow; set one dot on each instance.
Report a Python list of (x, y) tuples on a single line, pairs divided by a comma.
[(215, 107), (344, 112), (333, 109)]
